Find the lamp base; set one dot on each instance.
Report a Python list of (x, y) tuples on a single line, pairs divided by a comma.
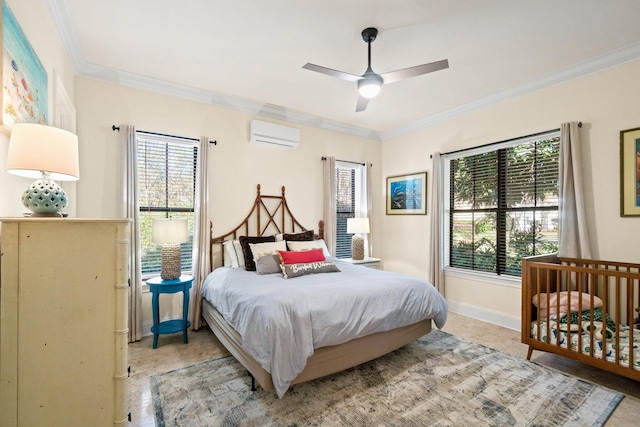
[(357, 247), (44, 197), (171, 268)]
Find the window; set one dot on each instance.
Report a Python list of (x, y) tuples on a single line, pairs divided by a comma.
[(503, 204), (166, 189), (350, 202)]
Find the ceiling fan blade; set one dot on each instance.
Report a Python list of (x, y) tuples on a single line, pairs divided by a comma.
[(330, 72), (394, 76), (362, 104)]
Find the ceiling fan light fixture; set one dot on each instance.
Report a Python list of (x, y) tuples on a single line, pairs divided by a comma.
[(370, 83), (370, 86)]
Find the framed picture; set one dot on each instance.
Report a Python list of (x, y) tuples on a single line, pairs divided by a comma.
[(407, 194), (25, 91), (630, 172)]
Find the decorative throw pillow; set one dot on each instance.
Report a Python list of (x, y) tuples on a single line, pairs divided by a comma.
[(293, 257), (306, 245), (268, 264), (249, 264), (268, 248), (304, 236), (233, 256), (296, 270)]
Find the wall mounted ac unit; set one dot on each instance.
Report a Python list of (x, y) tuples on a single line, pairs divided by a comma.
[(274, 135)]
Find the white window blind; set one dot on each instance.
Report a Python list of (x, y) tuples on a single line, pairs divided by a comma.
[(166, 189)]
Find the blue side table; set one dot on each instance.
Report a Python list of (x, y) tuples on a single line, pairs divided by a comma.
[(158, 286)]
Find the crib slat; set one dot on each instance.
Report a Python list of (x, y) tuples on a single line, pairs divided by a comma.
[(591, 325), (629, 314)]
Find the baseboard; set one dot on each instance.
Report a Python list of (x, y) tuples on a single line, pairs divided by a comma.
[(486, 315)]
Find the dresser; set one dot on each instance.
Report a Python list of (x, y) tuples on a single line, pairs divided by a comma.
[(63, 324)]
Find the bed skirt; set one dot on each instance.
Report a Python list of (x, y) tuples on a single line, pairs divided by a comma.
[(325, 360)]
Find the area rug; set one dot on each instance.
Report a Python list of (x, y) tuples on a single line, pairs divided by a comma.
[(438, 380)]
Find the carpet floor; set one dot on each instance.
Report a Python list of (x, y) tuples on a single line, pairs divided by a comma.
[(438, 380)]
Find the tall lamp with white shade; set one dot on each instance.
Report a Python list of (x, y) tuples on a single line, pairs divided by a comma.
[(357, 226), (46, 153), (170, 233)]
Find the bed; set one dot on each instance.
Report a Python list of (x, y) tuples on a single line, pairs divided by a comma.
[(291, 327), (586, 310)]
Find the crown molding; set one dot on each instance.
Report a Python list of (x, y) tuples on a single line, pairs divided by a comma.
[(61, 15), (610, 59)]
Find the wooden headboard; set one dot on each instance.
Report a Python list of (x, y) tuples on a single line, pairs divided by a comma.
[(269, 215)]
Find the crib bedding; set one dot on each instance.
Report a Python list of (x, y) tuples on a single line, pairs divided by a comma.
[(281, 321), (575, 335)]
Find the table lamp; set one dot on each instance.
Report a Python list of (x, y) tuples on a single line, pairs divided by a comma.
[(170, 233), (357, 226), (46, 153)]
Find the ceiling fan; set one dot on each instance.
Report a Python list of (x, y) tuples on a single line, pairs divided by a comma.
[(370, 83)]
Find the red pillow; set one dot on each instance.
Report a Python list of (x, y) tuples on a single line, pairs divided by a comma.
[(301, 257)]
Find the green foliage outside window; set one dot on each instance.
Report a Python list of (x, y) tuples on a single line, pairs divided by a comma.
[(166, 189), (504, 206)]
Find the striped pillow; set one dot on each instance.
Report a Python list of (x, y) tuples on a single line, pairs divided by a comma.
[(233, 255)]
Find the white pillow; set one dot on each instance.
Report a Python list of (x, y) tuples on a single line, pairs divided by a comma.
[(233, 255), (267, 248), (310, 244)]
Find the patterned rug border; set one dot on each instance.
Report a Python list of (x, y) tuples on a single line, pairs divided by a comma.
[(615, 401)]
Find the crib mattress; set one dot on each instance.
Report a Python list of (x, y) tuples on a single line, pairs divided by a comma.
[(578, 337)]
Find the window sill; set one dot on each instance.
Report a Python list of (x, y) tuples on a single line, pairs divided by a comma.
[(492, 278)]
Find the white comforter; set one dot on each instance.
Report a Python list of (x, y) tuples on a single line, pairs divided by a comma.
[(281, 320)]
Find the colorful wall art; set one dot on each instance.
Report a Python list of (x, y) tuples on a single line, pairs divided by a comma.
[(24, 78)]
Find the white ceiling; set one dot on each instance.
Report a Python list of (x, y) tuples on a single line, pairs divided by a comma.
[(248, 54)]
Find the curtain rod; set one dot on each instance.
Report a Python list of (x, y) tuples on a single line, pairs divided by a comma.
[(499, 142), (116, 128), (323, 158)]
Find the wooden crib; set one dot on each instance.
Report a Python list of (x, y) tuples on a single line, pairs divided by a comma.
[(586, 310)]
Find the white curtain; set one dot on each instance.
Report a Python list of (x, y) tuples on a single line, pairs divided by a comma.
[(436, 243), (369, 213), (201, 246), (329, 205), (129, 208), (573, 239)]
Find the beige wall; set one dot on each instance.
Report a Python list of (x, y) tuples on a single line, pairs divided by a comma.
[(235, 165), (33, 17), (605, 102)]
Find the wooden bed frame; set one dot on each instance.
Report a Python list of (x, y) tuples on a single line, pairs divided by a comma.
[(617, 284), (271, 215)]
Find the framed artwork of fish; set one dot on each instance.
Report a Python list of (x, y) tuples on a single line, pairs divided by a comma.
[(407, 194)]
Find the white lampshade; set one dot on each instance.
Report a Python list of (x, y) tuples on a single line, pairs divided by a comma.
[(170, 231), (35, 148), (358, 225)]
